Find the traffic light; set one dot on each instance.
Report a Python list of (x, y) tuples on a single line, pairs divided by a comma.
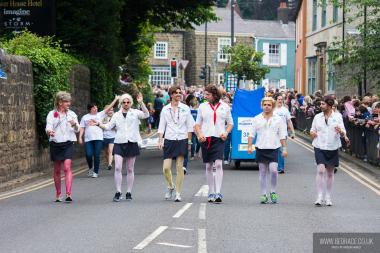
[(173, 68), (203, 75)]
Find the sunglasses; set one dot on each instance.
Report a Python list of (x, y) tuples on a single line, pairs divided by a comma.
[(126, 102)]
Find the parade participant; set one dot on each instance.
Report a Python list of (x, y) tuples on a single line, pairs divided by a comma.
[(176, 123), (326, 130), (212, 131), (61, 126), (281, 111), (271, 135), (127, 125), (108, 138), (93, 136)]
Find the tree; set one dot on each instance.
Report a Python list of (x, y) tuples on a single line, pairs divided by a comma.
[(245, 61), (357, 56)]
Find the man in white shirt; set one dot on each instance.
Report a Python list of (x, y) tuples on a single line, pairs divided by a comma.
[(326, 130), (213, 124), (271, 135), (176, 124), (281, 111)]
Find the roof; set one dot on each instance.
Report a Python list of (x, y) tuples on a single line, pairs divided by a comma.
[(259, 28)]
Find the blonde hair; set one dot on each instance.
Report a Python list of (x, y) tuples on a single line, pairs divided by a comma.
[(123, 97), (61, 96), (270, 99)]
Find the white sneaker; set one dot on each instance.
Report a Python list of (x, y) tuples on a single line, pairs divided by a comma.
[(226, 162), (328, 202), (178, 197), (169, 193), (184, 170), (95, 175), (319, 201), (90, 173)]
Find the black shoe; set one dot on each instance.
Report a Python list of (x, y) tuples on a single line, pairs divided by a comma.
[(117, 197), (109, 167), (128, 196), (281, 172), (68, 199), (335, 170)]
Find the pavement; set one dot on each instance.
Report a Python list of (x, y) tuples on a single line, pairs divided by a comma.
[(32, 222)]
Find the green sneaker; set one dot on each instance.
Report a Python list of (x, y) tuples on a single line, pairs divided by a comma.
[(274, 197), (264, 199)]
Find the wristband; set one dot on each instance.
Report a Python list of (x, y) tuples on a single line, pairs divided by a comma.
[(189, 142), (284, 148)]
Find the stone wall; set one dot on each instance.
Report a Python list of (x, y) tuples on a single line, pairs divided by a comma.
[(20, 152)]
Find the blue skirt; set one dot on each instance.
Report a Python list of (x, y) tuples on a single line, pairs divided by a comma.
[(267, 155), (129, 149), (61, 151), (212, 149), (174, 148), (327, 157)]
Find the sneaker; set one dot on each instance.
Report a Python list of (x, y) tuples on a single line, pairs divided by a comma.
[(90, 173), (319, 201), (95, 175), (184, 170), (328, 202), (58, 199), (281, 172), (335, 170), (169, 193), (211, 197), (274, 197), (192, 158), (218, 197), (178, 197), (109, 167), (264, 199), (128, 196), (68, 199), (117, 197), (226, 162)]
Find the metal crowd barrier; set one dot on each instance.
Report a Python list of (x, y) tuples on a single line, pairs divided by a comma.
[(363, 140)]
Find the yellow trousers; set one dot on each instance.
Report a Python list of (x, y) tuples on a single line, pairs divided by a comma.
[(167, 169)]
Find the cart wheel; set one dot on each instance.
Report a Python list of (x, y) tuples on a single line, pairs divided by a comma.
[(237, 164)]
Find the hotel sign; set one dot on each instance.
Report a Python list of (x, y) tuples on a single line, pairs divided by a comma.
[(38, 16)]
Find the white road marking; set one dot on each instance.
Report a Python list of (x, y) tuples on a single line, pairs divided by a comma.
[(364, 180), (182, 210), (203, 191), (174, 245), (151, 237), (202, 246), (202, 211), (184, 229)]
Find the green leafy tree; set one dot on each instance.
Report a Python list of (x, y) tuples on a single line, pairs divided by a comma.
[(245, 61)]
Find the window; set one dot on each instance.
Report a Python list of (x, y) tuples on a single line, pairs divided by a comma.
[(335, 13), (220, 79), (161, 50), (331, 77), (160, 76), (222, 44), (324, 6), (274, 54), (315, 7), (312, 75), (274, 84)]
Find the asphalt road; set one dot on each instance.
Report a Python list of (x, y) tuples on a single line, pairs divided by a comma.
[(32, 222)]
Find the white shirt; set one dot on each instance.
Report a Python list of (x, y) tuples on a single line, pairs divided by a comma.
[(176, 124), (284, 114), (327, 138), (59, 123), (128, 128), (205, 119), (108, 134), (269, 132), (92, 133)]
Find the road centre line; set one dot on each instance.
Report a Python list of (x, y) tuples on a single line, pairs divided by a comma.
[(349, 170), (202, 211), (174, 245), (203, 191), (35, 187), (184, 229), (202, 245), (151, 237), (182, 210)]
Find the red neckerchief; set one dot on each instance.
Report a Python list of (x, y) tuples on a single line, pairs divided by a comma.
[(214, 109)]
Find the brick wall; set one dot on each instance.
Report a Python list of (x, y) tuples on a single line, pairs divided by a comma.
[(20, 152)]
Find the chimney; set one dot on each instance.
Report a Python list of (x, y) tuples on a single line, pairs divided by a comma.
[(283, 12)]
